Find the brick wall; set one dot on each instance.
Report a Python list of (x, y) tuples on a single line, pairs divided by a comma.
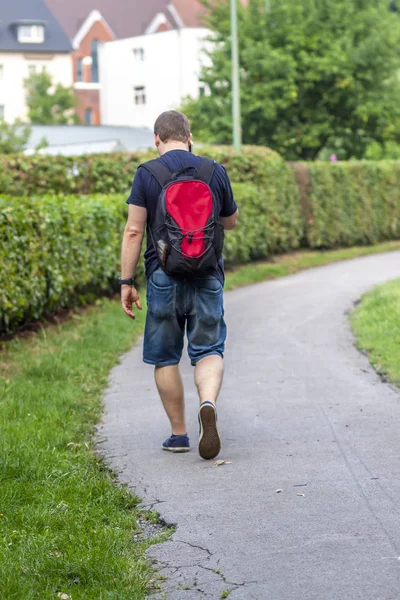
[(87, 91)]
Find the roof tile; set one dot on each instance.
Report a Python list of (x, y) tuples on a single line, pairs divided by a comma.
[(127, 18)]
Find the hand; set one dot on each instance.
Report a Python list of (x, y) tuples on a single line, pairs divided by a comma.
[(129, 296)]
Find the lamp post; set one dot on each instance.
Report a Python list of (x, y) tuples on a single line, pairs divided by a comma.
[(237, 126)]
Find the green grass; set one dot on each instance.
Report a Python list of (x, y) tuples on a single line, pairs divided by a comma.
[(288, 264), (65, 527), (376, 323)]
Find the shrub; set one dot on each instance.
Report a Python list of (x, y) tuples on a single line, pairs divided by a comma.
[(345, 204), (54, 252), (30, 175), (113, 173), (269, 223), (254, 165), (60, 251)]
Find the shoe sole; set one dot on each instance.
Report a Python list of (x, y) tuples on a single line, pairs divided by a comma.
[(177, 450), (209, 441)]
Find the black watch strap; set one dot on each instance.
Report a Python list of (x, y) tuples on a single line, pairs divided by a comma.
[(126, 281)]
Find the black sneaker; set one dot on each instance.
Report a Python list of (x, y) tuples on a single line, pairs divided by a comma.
[(209, 442), (177, 443)]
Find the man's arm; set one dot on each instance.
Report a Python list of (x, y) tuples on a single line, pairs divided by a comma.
[(130, 253), (230, 212), (230, 222)]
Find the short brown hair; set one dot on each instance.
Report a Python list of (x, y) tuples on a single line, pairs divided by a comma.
[(172, 126)]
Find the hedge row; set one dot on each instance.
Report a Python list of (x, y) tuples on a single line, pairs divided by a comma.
[(346, 204), (270, 220), (54, 252), (113, 173), (58, 251)]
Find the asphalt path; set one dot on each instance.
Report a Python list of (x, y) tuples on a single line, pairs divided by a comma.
[(307, 506)]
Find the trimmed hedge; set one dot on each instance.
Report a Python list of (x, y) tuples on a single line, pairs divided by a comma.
[(113, 173), (55, 252), (270, 221), (61, 251), (348, 204), (30, 175)]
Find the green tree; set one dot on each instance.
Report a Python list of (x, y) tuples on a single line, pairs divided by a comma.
[(49, 104), (317, 76), (13, 138), (388, 151)]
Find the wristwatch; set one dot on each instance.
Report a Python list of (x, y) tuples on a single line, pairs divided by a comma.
[(126, 281)]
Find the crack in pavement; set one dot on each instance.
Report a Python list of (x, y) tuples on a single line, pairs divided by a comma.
[(195, 546), (150, 506), (179, 575)]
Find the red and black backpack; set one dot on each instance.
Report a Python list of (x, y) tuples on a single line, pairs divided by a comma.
[(186, 231)]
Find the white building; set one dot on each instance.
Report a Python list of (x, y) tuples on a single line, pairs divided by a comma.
[(143, 76), (31, 40)]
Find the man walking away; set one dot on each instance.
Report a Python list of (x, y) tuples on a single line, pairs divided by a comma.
[(186, 203)]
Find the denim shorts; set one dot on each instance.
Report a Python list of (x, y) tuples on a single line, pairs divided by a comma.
[(174, 305)]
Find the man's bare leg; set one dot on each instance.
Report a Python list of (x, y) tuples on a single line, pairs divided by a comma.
[(170, 388), (208, 376), (209, 373)]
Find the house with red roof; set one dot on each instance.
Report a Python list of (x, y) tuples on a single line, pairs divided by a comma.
[(91, 23)]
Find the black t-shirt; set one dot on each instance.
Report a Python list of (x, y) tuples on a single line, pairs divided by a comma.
[(146, 190)]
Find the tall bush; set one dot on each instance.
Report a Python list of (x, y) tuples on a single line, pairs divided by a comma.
[(270, 223), (54, 252), (59, 251), (345, 204), (113, 173)]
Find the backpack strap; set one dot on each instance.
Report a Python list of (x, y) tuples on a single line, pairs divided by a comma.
[(158, 170), (206, 169)]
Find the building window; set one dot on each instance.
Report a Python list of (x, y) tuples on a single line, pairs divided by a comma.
[(79, 69), (31, 70), (95, 61), (88, 116), (1, 72), (140, 95), (1, 111), (138, 54), (31, 34)]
